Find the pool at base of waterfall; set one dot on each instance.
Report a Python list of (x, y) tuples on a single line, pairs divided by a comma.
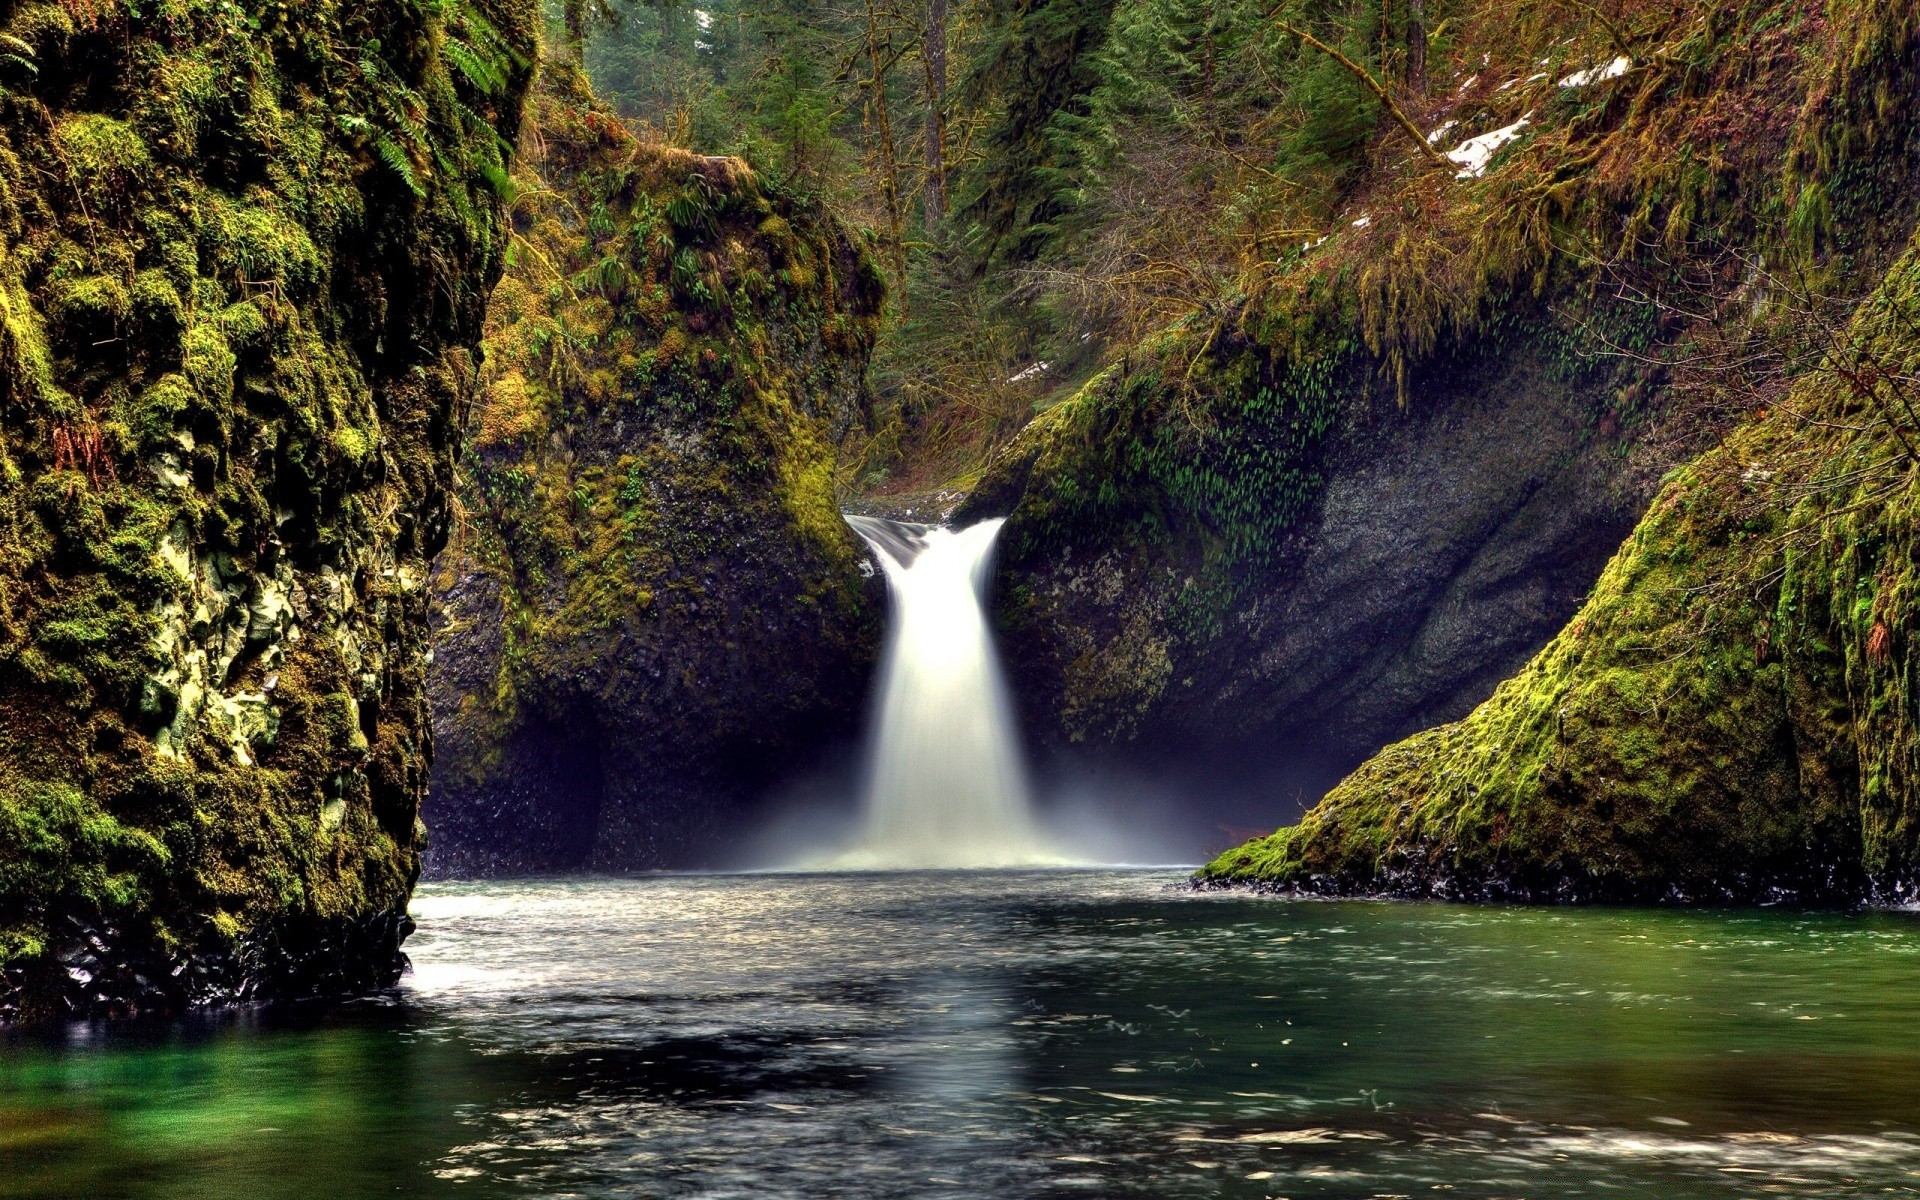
[(1017, 1034)]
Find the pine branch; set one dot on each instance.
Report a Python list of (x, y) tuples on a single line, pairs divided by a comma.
[(1376, 87)]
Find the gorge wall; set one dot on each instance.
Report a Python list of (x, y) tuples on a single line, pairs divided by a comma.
[(1342, 507), (244, 260), (1728, 717), (652, 609)]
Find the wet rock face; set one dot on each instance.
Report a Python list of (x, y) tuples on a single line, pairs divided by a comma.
[(653, 610), (1446, 539), (244, 262)]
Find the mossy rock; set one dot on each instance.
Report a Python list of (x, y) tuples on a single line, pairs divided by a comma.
[(655, 609), (1342, 505), (1728, 718), (232, 345)]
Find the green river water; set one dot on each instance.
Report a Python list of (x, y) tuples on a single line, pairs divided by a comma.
[(1017, 1034)]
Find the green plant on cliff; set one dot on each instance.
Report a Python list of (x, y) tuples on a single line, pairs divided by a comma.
[(243, 251)]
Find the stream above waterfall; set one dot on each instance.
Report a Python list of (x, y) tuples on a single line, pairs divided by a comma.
[(1018, 1035)]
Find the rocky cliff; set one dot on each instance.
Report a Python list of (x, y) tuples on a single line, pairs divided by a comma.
[(1342, 507), (1728, 717), (653, 608), (245, 252)]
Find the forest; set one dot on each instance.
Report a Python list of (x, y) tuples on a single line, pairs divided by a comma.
[(1045, 184)]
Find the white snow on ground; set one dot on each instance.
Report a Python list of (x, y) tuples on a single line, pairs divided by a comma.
[(1474, 154), (1613, 70), (703, 19), (1433, 139), (1363, 222), (1033, 372)]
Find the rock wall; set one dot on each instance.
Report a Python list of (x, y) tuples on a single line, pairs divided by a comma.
[(244, 257), (1729, 716), (654, 609), (1343, 506), (1434, 545)]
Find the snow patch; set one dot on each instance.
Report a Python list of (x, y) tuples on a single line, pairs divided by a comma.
[(1433, 139), (1033, 372), (1474, 154), (1613, 70)]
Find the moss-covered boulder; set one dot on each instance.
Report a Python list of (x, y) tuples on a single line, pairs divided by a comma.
[(1345, 505), (1730, 717), (653, 608), (245, 251)]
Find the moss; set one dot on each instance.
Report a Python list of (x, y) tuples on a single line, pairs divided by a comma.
[(61, 853), (210, 363), (1728, 716), (104, 155), (213, 310), (651, 491)]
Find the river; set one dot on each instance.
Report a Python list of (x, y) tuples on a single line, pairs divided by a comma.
[(1017, 1034)]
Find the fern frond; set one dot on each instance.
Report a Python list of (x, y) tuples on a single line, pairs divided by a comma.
[(395, 155)]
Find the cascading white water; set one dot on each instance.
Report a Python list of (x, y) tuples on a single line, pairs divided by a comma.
[(946, 786)]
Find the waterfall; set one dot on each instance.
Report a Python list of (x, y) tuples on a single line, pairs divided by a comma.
[(946, 786)]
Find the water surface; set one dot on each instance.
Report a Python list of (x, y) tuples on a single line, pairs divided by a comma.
[(1018, 1034)]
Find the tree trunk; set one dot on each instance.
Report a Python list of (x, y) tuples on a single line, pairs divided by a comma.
[(934, 57), (889, 158), (573, 15), (1417, 45)]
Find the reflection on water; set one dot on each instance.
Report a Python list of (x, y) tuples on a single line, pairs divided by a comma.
[(1039, 1034)]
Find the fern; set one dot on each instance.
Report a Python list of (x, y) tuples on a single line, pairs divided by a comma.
[(16, 53), (398, 161), (689, 213), (485, 74), (610, 277), (476, 51)]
